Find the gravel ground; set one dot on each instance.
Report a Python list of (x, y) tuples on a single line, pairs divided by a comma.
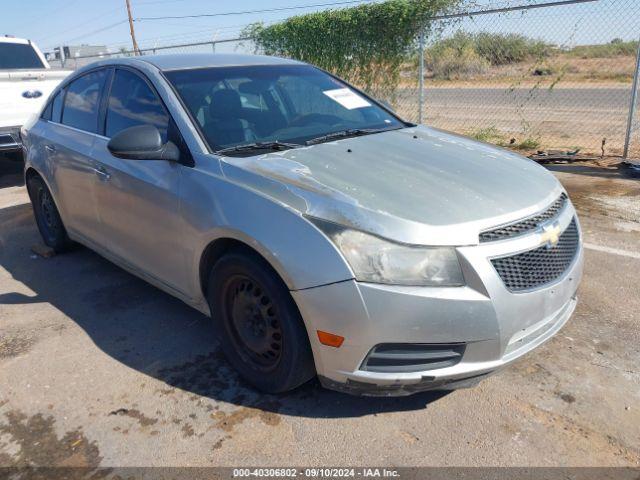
[(99, 368)]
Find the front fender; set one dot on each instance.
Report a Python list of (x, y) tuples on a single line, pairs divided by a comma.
[(214, 208)]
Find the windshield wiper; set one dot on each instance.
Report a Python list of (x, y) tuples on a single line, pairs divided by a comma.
[(275, 145), (350, 132)]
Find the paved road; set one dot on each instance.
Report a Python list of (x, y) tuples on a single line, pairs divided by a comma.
[(606, 99), (99, 368), (558, 118)]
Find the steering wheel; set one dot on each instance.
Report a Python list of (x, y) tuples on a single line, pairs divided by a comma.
[(303, 120)]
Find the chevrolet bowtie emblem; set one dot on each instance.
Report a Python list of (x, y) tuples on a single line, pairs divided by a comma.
[(550, 235)]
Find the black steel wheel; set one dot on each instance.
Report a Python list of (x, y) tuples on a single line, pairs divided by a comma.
[(264, 337), (253, 320), (47, 216)]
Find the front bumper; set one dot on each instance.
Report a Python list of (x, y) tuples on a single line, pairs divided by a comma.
[(10, 140), (496, 325)]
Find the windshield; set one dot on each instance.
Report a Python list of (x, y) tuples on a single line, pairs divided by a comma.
[(274, 103), (14, 56)]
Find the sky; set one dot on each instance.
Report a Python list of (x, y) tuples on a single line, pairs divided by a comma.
[(73, 22)]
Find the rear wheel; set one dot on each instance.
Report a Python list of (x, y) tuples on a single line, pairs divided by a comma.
[(264, 337), (47, 216)]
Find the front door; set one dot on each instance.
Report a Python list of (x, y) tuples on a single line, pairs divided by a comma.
[(138, 200)]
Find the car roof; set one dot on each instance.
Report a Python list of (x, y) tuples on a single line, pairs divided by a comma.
[(183, 61), (10, 39)]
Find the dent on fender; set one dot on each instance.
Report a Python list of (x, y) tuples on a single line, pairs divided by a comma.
[(272, 228)]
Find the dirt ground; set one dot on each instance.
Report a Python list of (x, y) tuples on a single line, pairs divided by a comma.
[(99, 368)]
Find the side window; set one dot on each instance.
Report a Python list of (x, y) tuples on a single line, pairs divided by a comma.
[(82, 101), (132, 103), (46, 113), (56, 107)]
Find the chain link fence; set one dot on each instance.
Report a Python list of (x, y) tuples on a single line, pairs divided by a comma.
[(558, 77), (530, 77), (233, 45)]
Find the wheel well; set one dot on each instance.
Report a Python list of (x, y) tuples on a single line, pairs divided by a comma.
[(216, 250), (28, 175), (31, 172)]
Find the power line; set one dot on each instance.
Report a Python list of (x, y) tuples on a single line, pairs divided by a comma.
[(155, 2), (51, 13), (113, 25), (266, 10), (82, 23), (108, 27), (527, 7)]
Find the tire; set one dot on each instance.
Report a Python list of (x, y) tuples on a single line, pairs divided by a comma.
[(47, 216), (264, 336)]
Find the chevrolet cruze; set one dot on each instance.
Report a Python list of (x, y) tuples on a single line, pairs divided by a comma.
[(326, 235)]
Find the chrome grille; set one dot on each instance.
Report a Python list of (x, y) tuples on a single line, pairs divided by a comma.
[(541, 266), (525, 226)]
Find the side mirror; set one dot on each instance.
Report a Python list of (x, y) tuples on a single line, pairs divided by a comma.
[(142, 143)]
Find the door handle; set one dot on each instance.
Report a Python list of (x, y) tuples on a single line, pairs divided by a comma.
[(102, 173), (50, 148)]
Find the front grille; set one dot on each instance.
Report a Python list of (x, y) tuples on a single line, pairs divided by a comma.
[(541, 266), (525, 226), (412, 357), (5, 138)]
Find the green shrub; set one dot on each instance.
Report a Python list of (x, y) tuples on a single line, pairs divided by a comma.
[(450, 63), (527, 144), (502, 49), (493, 48), (615, 48), (488, 134)]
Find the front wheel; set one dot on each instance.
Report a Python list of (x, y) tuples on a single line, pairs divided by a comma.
[(264, 336)]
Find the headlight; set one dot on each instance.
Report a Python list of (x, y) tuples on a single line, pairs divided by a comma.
[(375, 260)]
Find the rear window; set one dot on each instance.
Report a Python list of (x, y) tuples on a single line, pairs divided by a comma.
[(54, 108), (82, 101), (14, 56)]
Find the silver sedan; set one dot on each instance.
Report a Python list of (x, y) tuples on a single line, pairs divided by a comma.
[(326, 235)]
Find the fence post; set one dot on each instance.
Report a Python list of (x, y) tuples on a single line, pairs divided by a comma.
[(62, 59), (421, 76), (632, 107)]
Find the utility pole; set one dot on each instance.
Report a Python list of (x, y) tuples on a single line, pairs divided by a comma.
[(421, 78), (62, 57), (136, 50)]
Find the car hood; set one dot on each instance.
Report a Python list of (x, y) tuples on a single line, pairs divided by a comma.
[(416, 185)]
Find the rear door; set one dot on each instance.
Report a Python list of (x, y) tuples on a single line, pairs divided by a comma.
[(69, 142), (138, 200)]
